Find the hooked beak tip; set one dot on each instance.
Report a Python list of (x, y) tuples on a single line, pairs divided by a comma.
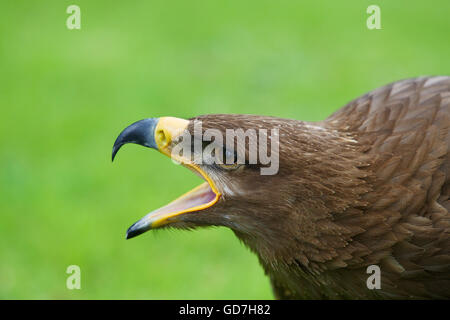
[(114, 151), (141, 132)]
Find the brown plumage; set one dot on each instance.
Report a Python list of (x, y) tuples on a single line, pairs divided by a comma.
[(368, 185)]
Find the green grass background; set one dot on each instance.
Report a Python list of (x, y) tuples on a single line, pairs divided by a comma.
[(66, 94)]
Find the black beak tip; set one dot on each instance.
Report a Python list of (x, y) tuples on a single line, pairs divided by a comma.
[(128, 236), (135, 230), (132, 234), (114, 151), (140, 132)]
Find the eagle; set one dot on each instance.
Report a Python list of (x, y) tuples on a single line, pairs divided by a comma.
[(368, 187)]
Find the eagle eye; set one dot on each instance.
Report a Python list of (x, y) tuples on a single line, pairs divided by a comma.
[(226, 164), (232, 166)]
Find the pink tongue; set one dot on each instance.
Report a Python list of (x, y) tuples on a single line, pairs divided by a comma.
[(199, 196)]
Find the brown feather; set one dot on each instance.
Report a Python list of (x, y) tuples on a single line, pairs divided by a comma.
[(368, 185)]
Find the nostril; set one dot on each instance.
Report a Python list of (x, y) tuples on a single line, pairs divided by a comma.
[(162, 137)]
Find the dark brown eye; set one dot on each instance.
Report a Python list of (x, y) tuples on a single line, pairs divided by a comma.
[(232, 166), (229, 160)]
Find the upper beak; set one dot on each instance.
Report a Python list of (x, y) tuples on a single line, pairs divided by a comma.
[(141, 132), (158, 133)]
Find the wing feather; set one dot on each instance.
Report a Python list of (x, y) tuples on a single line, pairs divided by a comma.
[(406, 127)]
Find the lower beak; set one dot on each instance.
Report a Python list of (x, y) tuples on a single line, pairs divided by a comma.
[(197, 199)]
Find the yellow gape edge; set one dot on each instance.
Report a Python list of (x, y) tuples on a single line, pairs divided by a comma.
[(160, 221), (167, 130)]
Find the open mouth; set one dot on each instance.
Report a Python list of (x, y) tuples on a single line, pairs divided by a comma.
[(159, 133), (199, 198)]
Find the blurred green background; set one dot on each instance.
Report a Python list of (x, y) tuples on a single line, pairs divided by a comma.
[(66, 94)]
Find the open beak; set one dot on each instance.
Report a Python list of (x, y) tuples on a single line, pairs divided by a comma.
[(159, 134)]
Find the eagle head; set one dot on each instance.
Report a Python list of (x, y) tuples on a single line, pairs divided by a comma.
[(300, 174)]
